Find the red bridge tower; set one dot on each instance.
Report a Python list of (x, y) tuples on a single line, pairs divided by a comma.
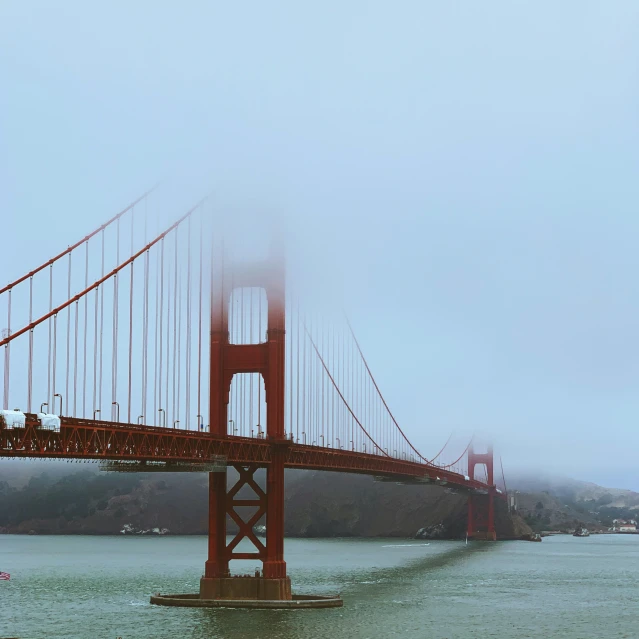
[(266, 358), (481, 506)]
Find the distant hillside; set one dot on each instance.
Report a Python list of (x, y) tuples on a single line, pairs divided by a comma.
[(551, 503), (48, 499), (101, 503), (331, 504)]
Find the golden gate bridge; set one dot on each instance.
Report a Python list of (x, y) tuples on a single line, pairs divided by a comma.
[(159, 351)]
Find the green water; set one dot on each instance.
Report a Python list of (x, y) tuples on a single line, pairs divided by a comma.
[(100, 586)]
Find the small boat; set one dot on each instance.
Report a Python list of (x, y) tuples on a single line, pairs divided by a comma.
[(581, 532)]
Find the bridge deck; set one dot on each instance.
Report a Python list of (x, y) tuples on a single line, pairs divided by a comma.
[(94, 439)]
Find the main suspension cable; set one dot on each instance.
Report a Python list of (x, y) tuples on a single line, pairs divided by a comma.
[(68, 250)]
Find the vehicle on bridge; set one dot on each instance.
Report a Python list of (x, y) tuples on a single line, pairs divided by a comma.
[(15, 419)]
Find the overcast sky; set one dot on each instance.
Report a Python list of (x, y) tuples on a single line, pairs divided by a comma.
[(465, 174)]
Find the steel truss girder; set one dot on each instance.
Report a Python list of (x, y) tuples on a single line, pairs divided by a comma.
[(102, 440)]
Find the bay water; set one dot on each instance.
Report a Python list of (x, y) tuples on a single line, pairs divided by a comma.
[(94, 587)]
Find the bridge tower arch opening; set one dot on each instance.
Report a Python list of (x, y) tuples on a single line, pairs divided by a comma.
[(481, 504), (263, 355)]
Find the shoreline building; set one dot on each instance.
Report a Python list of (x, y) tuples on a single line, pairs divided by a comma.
[(624, 526)]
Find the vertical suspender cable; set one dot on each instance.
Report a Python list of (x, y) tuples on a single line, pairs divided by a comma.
[(86, 330), (55, 350), (68, 332), (49, 396), (322, 420), (175, 306), (75, 360), (159, 407), (316, 388), (145, 324), (145, 339), (30, 365), (352, 378), (168, 340), (297, 376), (156, 357), (179, 347), (199, 340), (323, 433), (130, 324), (234, 338), (365, 406), (357, 384), (187, 408), (288, 344), (311, 391), (308, 393), (304, 420), (346, 416), (230, 327), (116, 318), (156, 352), (340, 434), (340, 371), (371, 414), (362, 387), (130, 342), (225, 313), (318, 381), (241, 380), (7, 353), (114, 340), (316, 392), (260, 381), (101, 331), (252, 376), (95, 352)]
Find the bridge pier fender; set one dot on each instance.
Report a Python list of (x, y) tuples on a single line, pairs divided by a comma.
[(246, 588)]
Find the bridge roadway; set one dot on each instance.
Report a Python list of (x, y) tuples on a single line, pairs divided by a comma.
[(103, 440)]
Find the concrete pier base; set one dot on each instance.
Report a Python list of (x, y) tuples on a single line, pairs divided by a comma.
[(246, 592), (245, 587), (297, 602)]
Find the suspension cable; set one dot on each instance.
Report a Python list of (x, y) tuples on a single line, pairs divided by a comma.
[(103, 279), (453, 463), (321, 359), (382, 397), (74, 246)]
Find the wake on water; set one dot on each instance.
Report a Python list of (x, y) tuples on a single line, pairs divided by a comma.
[(405, 545)]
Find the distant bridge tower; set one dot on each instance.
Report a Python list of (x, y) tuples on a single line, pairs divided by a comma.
[(266, 358), (481, 506)]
